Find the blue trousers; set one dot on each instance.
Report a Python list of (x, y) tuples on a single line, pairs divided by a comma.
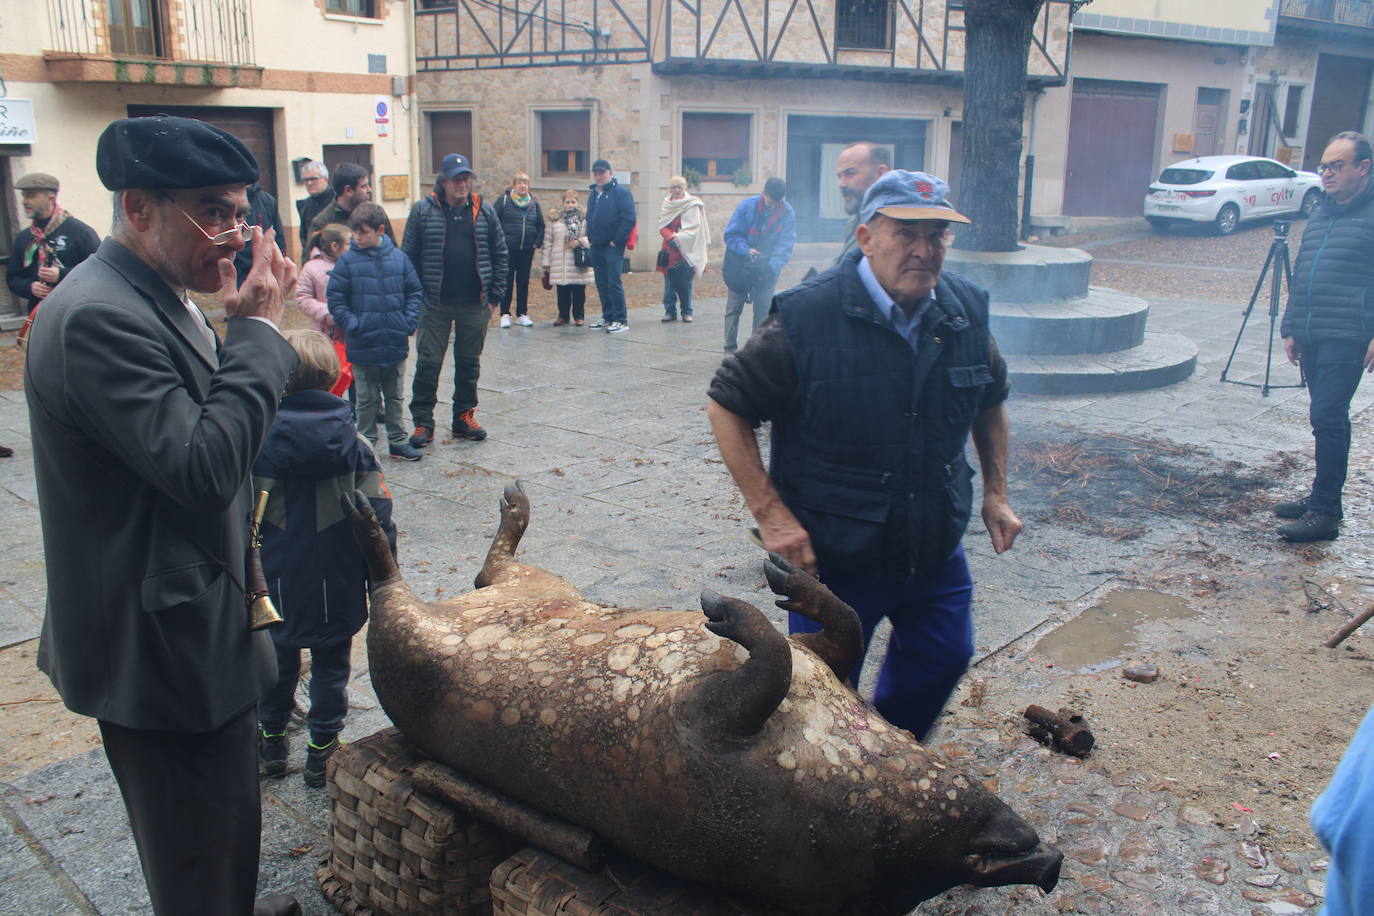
[(1333, 373), (329, 667), (607, 261), (932, 636)]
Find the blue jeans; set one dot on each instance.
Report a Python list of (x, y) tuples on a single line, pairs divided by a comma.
[(932, 636), (762, 295), (329, 666), (1333, 373), (677, 289), (607, 261)]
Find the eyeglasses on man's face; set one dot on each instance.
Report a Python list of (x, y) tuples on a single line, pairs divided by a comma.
[(1333, 167), (242, 231)]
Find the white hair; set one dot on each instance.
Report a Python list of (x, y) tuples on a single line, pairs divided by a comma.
[(315, 166)]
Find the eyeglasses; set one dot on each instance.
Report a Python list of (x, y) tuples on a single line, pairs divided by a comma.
[(1332, 167), (310, 178), (242, 230)]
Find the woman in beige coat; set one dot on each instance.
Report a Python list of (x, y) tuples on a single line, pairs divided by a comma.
[(564, 231)]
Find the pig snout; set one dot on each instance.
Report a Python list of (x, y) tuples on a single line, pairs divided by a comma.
[(1009, 851)]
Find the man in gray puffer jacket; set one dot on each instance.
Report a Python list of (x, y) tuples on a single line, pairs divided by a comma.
[(457, 244), (1329, 325)]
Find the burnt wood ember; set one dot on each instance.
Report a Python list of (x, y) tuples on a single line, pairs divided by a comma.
[(1064, 731), (713, 748)]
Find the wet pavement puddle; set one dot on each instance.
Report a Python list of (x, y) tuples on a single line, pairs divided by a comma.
[(1097, 639)]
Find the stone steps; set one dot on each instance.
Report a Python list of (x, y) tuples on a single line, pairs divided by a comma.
[(1103, 321), (1159, 360)]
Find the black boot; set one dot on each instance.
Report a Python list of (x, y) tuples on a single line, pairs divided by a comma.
[(316, 756), (277, 905), (1313, 526), (1293, 508), (272, 753)]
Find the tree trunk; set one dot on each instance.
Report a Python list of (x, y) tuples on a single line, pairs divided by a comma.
[(997, 45)]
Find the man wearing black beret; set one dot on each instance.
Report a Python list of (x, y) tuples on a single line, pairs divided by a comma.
[(145, 425)]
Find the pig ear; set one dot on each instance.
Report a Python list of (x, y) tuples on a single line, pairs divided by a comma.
[(734, 705), (840, 643)]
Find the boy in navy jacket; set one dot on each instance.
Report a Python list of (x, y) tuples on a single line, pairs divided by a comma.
[(312, 456), (374, 298)]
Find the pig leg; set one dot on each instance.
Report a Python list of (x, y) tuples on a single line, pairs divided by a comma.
[(840, 643), (734, 704), (515, 518)]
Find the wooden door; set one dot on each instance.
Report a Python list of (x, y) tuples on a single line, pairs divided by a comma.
[(360, 153), (1339, 101), (1208, 131), (1113, 135)]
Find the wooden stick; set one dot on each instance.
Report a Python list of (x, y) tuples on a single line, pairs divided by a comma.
[(1064, 731), (1349, 628), (567, 841)]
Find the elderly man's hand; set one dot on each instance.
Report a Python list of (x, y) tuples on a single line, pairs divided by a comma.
[(783, 534), (1293, 351), (270, 281), (1003, 525)]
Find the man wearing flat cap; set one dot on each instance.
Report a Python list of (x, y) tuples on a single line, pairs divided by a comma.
[(145, 425), (47, 250), (873, 375)]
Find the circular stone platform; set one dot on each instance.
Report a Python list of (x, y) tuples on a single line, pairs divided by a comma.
[(1033, 273), (1162, 359), (1103, 321)]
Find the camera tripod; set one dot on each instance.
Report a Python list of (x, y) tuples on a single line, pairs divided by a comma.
[(1283, 276)]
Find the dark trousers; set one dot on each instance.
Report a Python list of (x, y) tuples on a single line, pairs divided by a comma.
[(518, 283), (467, 326), (329, 668), (571, 299), (196, 813), (1333, 373), (677, 289), (932, 636), (607, 261)]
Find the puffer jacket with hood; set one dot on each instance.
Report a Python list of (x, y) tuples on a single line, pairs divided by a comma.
[(312, 456), (375, 298)]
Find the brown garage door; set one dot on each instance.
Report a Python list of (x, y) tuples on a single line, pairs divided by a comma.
[(1113, 130), (1338, 102), (253, 126)]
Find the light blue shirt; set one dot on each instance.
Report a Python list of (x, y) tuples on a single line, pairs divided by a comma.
[(895, 316)]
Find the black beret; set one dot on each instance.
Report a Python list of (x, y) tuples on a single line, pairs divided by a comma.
[(167, 152)]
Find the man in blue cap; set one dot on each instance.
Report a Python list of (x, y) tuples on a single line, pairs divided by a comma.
[(455, 240), (873, 375), (610, 220), (145, 423)]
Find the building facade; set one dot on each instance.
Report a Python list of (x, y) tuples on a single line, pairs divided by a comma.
[(304, 80), (728, 93)]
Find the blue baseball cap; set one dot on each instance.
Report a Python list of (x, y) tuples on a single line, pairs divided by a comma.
[(601, 165), (900, 194), (455, 164)]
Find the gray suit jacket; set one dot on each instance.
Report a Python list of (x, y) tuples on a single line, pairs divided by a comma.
[(143, 441)]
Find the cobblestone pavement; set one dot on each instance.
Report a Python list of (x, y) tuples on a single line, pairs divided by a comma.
[(631, 503)]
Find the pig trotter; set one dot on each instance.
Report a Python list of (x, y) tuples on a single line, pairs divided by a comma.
[(840, 643), (371, 539), (734, 705), (515, 517)]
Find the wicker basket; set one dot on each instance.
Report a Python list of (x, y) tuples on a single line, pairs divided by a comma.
[(393, 850), (535, 883)]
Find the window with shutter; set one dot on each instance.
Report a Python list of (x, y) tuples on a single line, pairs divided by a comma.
[(715, 144), (565, 142), (449, 132)]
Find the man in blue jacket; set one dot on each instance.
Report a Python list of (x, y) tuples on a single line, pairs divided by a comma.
[(1327, 327), (758, 245), (610, 220)]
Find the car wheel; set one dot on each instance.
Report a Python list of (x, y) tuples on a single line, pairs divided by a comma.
[(1159, 224), (1309, 203), (1227, 220)]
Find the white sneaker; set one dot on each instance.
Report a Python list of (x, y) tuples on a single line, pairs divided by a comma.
[(615, 327), (598, 323), (505, 321), (524, 321)]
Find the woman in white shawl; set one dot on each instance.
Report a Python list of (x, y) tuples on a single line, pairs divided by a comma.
[(682, 223)]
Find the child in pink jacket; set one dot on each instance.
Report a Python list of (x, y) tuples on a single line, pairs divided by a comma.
[(312, 287)]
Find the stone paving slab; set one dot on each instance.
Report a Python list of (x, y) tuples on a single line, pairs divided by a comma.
[(632, 504)]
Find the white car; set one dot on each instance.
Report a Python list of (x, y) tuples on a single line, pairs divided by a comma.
[(1224, 190)]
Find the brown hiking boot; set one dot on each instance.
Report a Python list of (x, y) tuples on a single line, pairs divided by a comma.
[(465, 427)]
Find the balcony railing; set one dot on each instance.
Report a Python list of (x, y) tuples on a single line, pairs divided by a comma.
[(1356, 13), (190, 31)]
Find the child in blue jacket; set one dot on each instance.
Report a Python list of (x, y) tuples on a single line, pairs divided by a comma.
[(315, 572), (374, 297)]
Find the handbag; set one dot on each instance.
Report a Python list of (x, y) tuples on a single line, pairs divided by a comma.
[(738, 272), (662, 259), (582, 257), (548, 284), (345, 370)]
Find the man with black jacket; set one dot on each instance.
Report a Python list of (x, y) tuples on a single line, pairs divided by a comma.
[(262, 212), (319, 195), (1328, 329), (873, 375), (456, 242), (46, 251)]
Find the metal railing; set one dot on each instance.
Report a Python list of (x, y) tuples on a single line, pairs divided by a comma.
[(214, 31), (1357, 13)]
